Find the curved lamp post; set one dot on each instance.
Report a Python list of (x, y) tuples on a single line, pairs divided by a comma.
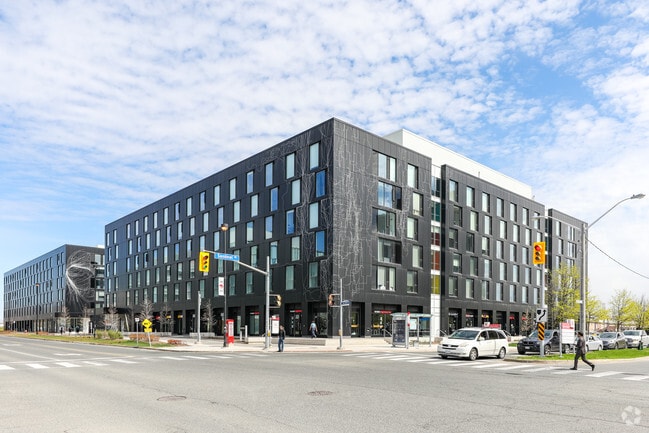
[(584, 256)]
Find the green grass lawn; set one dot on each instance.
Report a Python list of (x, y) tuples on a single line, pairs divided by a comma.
[(91, 340), (594, 355)]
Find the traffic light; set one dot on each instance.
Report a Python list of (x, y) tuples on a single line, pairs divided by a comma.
[(204, 261), (331, 300), (275, 300), (538, 253)]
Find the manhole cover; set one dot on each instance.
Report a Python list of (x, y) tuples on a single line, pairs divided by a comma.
[(317, 393), (172, 398)]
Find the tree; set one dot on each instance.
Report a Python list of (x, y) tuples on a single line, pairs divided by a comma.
[(146, 311), (563, 292), (166, 318), (639, 311), (111, 319), (207, 314), (620, 308), (596, 311)]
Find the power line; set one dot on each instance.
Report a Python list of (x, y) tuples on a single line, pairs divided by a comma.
[(616, 261)]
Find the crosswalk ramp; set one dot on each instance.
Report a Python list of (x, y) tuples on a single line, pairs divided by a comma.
[(498, 365), (116, 361)]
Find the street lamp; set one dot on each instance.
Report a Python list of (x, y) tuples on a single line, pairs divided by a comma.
[(224, 229), (37, 305), (584, 256)]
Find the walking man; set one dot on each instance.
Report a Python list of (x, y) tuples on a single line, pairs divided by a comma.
[(280, 339), (580, 352), (314, 329)]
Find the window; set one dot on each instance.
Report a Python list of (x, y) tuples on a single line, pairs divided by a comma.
[(269, 174), (295, 191), (417, 204), (525, 295), (417, 256), (473, 220), (386, 222), (435, 260), (268, 226), (273, 253), (411, 282), (254, 205), (452, 190), (436, 211), (469, 289), (232, 236), (512, 293), (290, 221), (389, 195), (486, 268), (512, 252), (457, 215), (236, 211), (314, 155), (502, 229), (201, 201), (250, 182), (250, 231), (389, 251), (457, 263), (274, 200), (500, 207), (295, 248), (452, 238), (189, 204), (411, 228), (289, 279), (487, 225), (413, 176), (233, 188), (314, 213), (254, 255), (486, 205), (452, 287), (470, 196), (436, 235), (387, 167), (502, 271), (165, 217), (486, 246), (320, 183), (217, 195), (313, 274), (485, 289), (512, 211), (320, 244), (385, 278), (249, 283), (499, 292), (206, 221), (470, 242), (436, 186), (473, 266), (290, 165), (177, 211)]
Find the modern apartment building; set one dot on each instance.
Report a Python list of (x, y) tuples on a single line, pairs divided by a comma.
[(332, 207), (61, 289), (398, 223)]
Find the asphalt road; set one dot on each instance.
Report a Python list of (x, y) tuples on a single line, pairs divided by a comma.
[(74, 388)]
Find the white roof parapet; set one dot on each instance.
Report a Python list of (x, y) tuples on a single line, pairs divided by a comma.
[(443, 156)]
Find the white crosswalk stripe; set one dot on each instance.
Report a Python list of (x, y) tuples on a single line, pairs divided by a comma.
[(6, 367), (604, 374), (637, 378), (68, 364), (37, 366)]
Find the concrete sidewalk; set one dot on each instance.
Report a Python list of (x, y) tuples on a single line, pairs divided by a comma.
[(295, 344)]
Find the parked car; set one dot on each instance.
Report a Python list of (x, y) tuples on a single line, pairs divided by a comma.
[(637, 338), (593, 342), (550, 343), (613, 340), (474, 342)]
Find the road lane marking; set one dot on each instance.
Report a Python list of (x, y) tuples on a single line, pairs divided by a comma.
[(6, 367), (604, 374), (37, 366), (639, 377), (67, 364), (541, 369), (123, 361), (174, 358), (95, 363), (196, 357)]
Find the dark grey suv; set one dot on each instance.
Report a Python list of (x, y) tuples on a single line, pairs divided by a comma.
[(550, 343)]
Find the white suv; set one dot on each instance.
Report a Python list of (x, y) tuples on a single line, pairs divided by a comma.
[(636, 338), (473, 342)]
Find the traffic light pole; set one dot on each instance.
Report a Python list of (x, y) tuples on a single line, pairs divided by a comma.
[(267, 274)]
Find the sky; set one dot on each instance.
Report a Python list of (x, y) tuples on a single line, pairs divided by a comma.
[(106, 107)]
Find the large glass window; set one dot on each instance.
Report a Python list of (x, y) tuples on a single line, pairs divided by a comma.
[(273, 253), (314, 155), (389, 251), (236, 211), (254, 205), (385, 278), (457, 263), (436, 186), (290, 221), (387, 167), (470, 196), (268, 227), (411, 282), (269, 174), (413, 176), (250, 182), (320, 244), (295, 248), (233, 188), (417, 256), (320, 183), (295, 191), (452, 190), (452, 287), (314, 215), (217, 195), (290, 165), (250, 231), (386, 222), (314, 280), (249, 283), (274, 199), (417, 203), (289, 277), (411, 228), (469, 289)]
